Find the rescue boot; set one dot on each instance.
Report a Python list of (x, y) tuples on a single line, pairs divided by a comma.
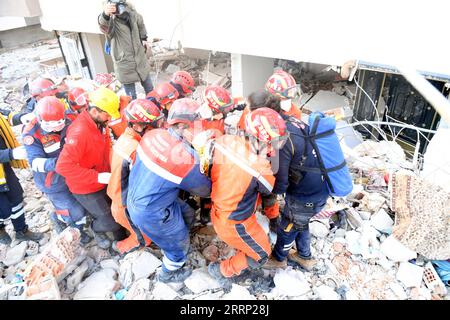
[(307, 264), (4, 237), (214, 271), (273, 263), (102, 240), (57, 224), (178, 275), (125, 246), (27, 235)]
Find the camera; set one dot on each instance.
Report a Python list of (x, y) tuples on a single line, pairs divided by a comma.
[(120, 6)]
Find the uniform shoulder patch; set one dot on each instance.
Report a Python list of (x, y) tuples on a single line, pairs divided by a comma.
[(28, 140)]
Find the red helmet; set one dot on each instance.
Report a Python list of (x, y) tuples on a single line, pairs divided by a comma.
[(42, 87), (78, 98), (143, 111), (184, 110), (50, 113), (185, 80), (267, 126), (282, 84), (166, 92), (218, 99)]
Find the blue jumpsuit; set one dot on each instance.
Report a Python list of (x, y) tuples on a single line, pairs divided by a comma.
[(165, 164), (43, 149)]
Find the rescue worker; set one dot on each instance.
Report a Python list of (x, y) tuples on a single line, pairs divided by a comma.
[(241, 177), (283, 86), (44, 139), (142, 115), (183, 82), (165, 164), (85, 163), (163, 96), (11, 192), (38, 88), (306, 195), (78, 99)]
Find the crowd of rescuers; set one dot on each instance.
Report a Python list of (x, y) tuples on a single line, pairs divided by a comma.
[(127, 173)]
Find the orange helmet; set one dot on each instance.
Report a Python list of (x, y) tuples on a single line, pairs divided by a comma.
[(185, 80), (143, 111), (78, 98), (50, 113), (166, 92), (267, 127), (282, 84), (218, 99), (184, 110), (42, 87)]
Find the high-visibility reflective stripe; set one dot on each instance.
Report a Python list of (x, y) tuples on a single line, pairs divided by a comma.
[(240, 228), (163, 173), (17, 214), (172, 265), (18, 207), (245, 167), (54, 147)]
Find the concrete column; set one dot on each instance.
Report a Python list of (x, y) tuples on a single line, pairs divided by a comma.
[(249, 73), (99, 62)]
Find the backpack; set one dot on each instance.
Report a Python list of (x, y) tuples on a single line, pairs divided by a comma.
[(330, 157)]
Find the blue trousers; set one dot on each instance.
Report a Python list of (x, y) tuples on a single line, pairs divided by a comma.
[(68, 209), (167, 229), (11, 206), (130, 88), (298, 213)]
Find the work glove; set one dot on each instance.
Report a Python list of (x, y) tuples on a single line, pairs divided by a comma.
[(103, 177), (19, 153), (5, 112), (26, 118)]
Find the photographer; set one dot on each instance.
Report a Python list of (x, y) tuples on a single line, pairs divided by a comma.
[(127, 36)]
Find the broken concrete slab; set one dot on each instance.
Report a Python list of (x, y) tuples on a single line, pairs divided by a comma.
[(290, 282), (238, 293), (319, 229), (162, 291), (139, 290), (145, 265), (325, 292), (110, 263), (98, 286), (396, 251), (200, 280), (410, 274), (77, 275), (16, 254)]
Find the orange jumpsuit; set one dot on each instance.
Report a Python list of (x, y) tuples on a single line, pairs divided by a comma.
[(124, 155), (239, 179), (294, 112)]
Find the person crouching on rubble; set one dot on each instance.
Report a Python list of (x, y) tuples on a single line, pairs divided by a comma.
[(165, 164), (11, 192), (142, 115), (241, 178), (85, 163), (44, 138)]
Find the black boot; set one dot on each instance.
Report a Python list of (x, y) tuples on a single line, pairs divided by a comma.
[(4, 236), (120, 234), (27, 235)]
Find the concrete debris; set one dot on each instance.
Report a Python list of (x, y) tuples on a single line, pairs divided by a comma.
[(110, 263), (290, 283), (75, 278), (382, 221), (319, 228), (410, 274), (145, 265), (238, 293), (396, 251), (99, 285), (200, 280), (326, 293), (139, 290), (211, 253), (16, 254), (432, 280), (162, 291)]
